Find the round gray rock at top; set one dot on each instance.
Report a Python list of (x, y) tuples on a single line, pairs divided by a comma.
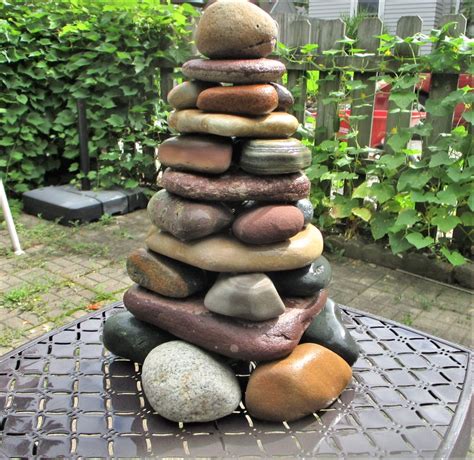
[(185, 95), (285, 98), (306, 207), (274, 156), (186, 219), (249, 296), (126, 336), (234, 70), (235, 29), (305, 281), (184, 383)]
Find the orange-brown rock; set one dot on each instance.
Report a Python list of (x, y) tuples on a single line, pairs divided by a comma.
[(240, 99), (309, 379)]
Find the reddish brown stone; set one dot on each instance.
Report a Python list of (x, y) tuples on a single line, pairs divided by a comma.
[(237, 186), (208, 154), (190, 320), (268, 224), (242, 99), (309, 379), (234, 70)]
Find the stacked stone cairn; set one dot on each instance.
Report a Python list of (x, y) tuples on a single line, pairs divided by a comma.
[(233, 270)]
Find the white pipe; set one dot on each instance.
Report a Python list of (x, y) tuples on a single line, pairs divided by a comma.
[(9, 220)]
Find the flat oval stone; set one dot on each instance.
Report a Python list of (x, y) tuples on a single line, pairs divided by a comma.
[(249, 296), (306, 207), (328, 330), (243, 71), (207, 154), (235, 29), (303, 281), (309, 379), (236, 187), (224, 253), (185, 219), (274, 156), (237, 338), (243, 100), (127, 337), (285, 98), (165, 276), (185, 95), (275, 124), (268, 224), (186, 384)]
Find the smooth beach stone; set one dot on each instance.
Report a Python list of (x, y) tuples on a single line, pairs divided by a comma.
[(243, 100), (306, 207), (243, 71), (235, 29), (237, 338), (165, 276), (275, 124), (303, 281), (274, 156), (285, 98), (328, 330), (249, 296), (237, 186), (225, 253), (207, 154), (186, 384), (268, 224), (127, 337), (185, 219), (308, 380), (185, 95)]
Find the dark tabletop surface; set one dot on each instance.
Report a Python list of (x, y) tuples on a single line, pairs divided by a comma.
[(65, 395)]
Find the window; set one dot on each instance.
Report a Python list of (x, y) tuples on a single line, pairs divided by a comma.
[(370, 7)]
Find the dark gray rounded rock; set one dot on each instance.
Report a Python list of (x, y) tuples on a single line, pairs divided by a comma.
[(184, 383), (305, 281), (306, 207), (328, 330), (285, 98), (126, 336)]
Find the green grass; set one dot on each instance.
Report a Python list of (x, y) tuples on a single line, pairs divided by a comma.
[(26, 297)]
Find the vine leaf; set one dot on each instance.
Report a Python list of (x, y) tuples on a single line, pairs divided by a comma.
[(418, 240)]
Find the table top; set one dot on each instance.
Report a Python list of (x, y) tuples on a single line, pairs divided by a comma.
[(65, 395)]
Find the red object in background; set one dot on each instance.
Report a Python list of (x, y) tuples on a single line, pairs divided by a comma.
[(379, 121)]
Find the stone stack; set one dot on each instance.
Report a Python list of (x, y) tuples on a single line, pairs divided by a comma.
[(233, 267)]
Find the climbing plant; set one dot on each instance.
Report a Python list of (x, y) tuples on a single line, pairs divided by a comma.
[(54, 52)]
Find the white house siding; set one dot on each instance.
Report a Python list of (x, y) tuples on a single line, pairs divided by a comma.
[(322, 9)]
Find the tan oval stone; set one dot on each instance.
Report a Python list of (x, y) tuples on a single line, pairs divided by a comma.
[(241, 99), (235, 29), (185, 95), (224, 253), (276, 124), (308, 380)]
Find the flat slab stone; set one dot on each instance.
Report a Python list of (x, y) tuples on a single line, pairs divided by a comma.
[(237, 186), (232, 28), (224, 253), (190, 320), (185, 219), (274, 156), (207, 154), (241, 99), (242, 71), (273, 125)]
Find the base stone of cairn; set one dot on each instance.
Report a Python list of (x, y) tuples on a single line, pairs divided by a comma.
[(233, 267)]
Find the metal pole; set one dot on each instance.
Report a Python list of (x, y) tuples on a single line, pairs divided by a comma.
[(83, 141), (9, 220)]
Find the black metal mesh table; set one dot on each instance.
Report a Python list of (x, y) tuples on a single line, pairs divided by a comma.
[(65, 395)]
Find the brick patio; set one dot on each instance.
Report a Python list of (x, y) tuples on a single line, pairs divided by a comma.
[(69, 271)]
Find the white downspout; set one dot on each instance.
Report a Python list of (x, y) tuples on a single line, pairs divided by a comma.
[(9, 220)]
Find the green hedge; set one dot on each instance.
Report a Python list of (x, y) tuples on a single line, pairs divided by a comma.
[(107, 53)]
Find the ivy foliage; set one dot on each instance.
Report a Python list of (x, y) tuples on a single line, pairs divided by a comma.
[(54, 52), (402, 196)]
